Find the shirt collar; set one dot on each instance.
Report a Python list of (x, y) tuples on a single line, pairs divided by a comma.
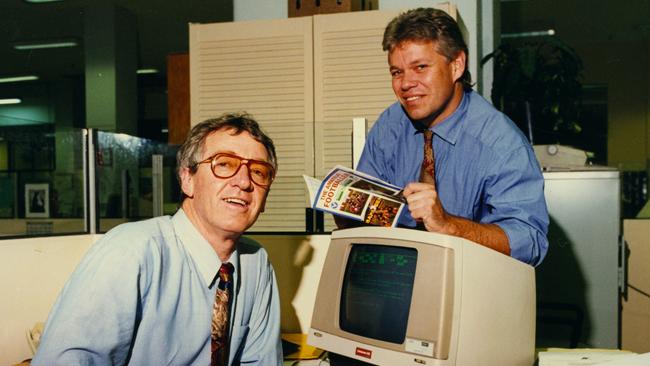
[(450, 128), (206, 259)]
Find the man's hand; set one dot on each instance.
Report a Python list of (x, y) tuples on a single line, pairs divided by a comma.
[(426, 208)]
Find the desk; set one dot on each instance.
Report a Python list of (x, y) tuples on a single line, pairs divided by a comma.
[(588, 357), (298, 352)]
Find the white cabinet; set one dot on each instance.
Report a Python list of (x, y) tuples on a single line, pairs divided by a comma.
[(579, 277)]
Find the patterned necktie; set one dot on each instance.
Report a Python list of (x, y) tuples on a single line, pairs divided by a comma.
[(220, 316), (428, 170)]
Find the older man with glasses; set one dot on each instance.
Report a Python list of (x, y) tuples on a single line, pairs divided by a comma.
[(186, 289)]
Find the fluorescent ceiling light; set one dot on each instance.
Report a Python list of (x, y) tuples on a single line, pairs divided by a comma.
[(45, 44), (13, 79), (10, 101), (544, 33), (147, 71)]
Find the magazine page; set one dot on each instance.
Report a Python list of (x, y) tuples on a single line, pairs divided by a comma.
[(313, 185), (358, 196)]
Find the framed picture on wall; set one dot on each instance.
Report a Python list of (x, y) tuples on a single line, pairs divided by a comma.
[(37, 200)]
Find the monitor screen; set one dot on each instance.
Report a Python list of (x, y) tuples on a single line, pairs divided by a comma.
[(377, 290)]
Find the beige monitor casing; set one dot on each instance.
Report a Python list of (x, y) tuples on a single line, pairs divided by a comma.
[(487, 304)]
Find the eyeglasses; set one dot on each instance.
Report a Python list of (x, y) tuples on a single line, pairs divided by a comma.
[(225, 165)]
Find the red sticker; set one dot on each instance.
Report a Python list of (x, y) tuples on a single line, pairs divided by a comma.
[(363, 352)]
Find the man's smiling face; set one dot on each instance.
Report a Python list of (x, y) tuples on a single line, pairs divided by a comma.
[(225, 206), (424, 81)]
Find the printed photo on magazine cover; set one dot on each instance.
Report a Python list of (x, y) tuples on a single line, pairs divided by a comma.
[(382, 212)]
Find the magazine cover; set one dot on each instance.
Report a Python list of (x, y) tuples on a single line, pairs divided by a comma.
[(349, 193)]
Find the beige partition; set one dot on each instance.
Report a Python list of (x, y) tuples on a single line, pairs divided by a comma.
[(32, 273), (264, 68), (635, 316)]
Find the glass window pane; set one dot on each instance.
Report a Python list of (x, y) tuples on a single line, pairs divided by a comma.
[(41, 180), (125, 179)]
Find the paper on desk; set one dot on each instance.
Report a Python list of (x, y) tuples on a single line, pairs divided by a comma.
[(305, 351), (580, 357), (633, 360)]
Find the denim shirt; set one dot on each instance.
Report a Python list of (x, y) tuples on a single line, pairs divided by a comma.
[(486, 171)]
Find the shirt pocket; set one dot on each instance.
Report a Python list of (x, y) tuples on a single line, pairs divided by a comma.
[(238, 341)]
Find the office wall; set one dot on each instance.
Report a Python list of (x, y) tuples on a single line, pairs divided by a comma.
[(622, 65), (613, 41), (255, 9)]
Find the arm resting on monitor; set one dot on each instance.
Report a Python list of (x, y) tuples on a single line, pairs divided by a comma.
[(488, 235), (425, 207)]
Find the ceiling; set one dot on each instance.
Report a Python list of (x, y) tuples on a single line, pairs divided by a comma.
[(162, 28)]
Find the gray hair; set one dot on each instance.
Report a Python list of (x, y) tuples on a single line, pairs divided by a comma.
[(190, 152)]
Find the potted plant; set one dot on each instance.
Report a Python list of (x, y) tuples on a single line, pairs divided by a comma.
[(538, 85)]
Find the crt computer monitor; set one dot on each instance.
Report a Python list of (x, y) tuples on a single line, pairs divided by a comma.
[(391, 296)]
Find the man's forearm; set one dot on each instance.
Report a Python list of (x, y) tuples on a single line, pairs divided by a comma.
[(489, 235)]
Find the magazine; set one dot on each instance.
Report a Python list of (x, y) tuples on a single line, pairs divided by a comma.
[(352, 194)]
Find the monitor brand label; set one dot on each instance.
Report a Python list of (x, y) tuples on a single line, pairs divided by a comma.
[(363, 352), (419, 347)]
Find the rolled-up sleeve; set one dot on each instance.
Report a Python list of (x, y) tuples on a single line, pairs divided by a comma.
[(514, 200)]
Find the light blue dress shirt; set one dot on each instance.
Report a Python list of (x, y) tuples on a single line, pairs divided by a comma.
[(486, 170), (143, 295)]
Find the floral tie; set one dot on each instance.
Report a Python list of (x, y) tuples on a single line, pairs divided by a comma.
[(220, 316), (428, 170)]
